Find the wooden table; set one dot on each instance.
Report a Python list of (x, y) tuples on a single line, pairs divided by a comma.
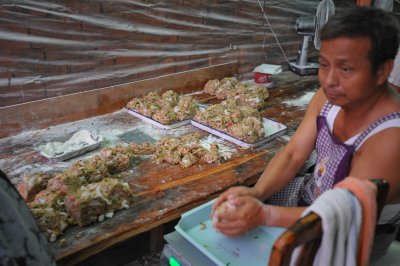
[(162, 192)]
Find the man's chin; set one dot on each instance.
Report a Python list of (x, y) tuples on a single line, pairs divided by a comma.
[(333, 98)]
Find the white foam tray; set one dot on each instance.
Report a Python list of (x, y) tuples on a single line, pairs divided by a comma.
[(272, 130), (156, 123)]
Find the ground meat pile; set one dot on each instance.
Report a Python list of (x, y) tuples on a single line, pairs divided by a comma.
[(233, 90), (167, 109), (185, 151), (88, 191), (242, 122)]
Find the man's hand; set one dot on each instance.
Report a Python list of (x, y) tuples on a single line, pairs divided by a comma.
[(232, 192), (240, 214)]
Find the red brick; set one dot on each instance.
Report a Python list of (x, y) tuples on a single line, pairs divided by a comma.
[(20, 93), (83, 7), (10, 45)]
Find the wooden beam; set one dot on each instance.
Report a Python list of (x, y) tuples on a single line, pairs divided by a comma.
[(59, 110)]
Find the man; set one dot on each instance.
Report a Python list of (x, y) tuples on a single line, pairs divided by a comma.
[(357, 131)]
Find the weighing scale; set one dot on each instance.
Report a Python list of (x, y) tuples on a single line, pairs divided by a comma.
[(195, 242), (180, 252)]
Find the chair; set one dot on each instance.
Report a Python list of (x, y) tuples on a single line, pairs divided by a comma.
[(307, 231)]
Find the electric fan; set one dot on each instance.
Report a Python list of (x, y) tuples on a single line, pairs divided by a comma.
[(310, 27)]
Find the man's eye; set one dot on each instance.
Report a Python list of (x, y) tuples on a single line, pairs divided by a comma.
[(323, 65), (346, 69)]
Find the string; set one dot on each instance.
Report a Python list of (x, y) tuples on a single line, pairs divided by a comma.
[(272, 30)]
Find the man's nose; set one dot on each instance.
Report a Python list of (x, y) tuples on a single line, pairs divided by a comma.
[(331, 77)]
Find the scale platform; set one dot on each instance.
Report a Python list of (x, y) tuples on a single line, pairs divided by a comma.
[(179, 251), (195, 242)]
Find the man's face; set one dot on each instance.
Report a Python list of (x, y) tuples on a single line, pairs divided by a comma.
[(345, 71)]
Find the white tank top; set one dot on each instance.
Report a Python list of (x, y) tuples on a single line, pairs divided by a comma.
[(390, 210), (384, 125)]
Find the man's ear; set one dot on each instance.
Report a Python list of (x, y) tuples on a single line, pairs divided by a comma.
[(384, 71)]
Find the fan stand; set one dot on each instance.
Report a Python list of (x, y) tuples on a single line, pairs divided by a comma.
[(301, 66)]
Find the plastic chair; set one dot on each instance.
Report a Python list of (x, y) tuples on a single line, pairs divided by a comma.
[(307, 231)]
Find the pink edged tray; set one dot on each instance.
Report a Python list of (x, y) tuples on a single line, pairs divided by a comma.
[(272, 130), (156, 123)]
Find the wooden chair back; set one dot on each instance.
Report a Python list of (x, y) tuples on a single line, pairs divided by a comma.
[(307, 231)]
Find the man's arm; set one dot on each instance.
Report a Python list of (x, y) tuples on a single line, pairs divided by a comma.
[(284, 166), (379, 157)]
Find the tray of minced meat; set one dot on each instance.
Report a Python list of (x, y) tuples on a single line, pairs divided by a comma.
[(168, 110), (240, 92), (242, 125)]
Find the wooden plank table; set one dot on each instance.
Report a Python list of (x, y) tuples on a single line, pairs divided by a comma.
[(162, 192)]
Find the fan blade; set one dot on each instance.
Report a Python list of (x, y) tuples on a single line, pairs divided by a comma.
[(326, 9)]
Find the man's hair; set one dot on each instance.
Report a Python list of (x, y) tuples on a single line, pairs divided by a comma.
[(375, 24)]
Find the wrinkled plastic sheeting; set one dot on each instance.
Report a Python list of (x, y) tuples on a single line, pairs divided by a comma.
[(53, 48)]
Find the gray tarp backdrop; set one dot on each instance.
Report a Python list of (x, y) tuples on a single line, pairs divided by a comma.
[(58, 47)]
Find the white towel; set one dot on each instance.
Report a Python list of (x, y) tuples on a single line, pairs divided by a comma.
[(341, 215)]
